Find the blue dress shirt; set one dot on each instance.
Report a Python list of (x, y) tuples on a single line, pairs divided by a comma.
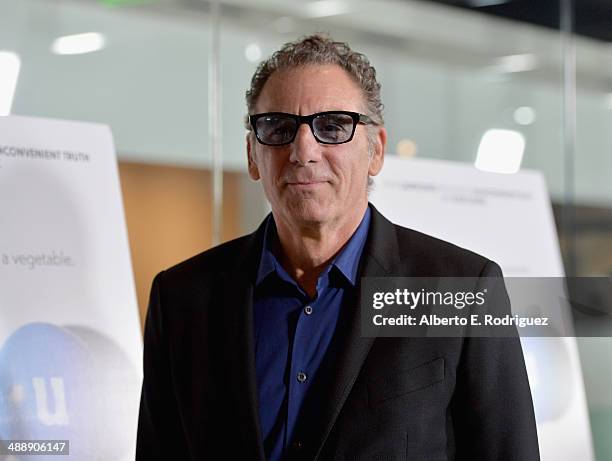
[(294, 338)]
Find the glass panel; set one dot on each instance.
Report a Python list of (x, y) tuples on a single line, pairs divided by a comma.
[(587, 233), (148, 81)]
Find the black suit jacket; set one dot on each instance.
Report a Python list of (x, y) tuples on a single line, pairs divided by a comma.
[(390, 399)]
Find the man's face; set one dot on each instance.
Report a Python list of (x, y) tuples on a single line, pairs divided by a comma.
[(307, 182)]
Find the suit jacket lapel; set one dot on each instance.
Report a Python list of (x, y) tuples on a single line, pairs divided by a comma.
[(238, 343), (379, 258)]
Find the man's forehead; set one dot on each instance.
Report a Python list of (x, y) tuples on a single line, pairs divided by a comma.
[(310, 88)]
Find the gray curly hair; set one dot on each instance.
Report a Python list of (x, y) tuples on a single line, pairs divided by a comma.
[(320, 49)]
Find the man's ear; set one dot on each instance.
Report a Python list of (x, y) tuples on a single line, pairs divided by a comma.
[(378, 154), (252, 166)]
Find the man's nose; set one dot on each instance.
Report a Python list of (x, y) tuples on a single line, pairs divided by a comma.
[(305, 148)]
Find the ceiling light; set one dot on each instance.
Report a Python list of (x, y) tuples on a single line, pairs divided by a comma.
[(79, 43), (406, 148), (325, 8), (9, 72), (516, 63), (252, 52), (500, 151), (524, 115)]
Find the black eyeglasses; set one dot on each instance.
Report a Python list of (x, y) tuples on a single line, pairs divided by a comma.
[(331, 127)]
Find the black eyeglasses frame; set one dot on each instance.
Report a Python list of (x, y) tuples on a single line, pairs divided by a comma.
[(308, 119)]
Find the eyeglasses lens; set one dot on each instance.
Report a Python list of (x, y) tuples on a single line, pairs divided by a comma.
[(333, 128), (276, 129)]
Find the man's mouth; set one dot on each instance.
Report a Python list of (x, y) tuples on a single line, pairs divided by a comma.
[(306, 185)]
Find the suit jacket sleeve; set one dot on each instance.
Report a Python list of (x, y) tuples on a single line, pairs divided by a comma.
[(492, 407), (159, 427)]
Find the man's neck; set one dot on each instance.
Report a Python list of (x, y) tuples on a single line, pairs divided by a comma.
[(305, 251)]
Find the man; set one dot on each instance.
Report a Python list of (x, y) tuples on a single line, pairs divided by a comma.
[(253, 349)]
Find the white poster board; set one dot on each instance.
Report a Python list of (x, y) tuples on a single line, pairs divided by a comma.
[(507, 218), (70, 341)]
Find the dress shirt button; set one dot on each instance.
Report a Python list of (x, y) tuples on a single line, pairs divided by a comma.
[(297, 445), (301, 376), (308, 310)]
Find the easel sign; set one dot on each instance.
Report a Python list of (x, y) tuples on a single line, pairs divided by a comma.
[(70, 340)]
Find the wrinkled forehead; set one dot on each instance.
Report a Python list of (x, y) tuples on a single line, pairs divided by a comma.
[(308, 89)]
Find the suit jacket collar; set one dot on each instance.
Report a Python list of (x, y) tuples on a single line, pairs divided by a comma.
[(238, 280), (380, 257)]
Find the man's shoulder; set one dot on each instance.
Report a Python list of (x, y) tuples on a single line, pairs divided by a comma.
[(437, 257), (221, 258)]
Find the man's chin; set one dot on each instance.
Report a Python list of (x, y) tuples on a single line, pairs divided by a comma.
[(312, 217), (310, 212)]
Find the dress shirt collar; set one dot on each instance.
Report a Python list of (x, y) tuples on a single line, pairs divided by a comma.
[(347, 261)]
